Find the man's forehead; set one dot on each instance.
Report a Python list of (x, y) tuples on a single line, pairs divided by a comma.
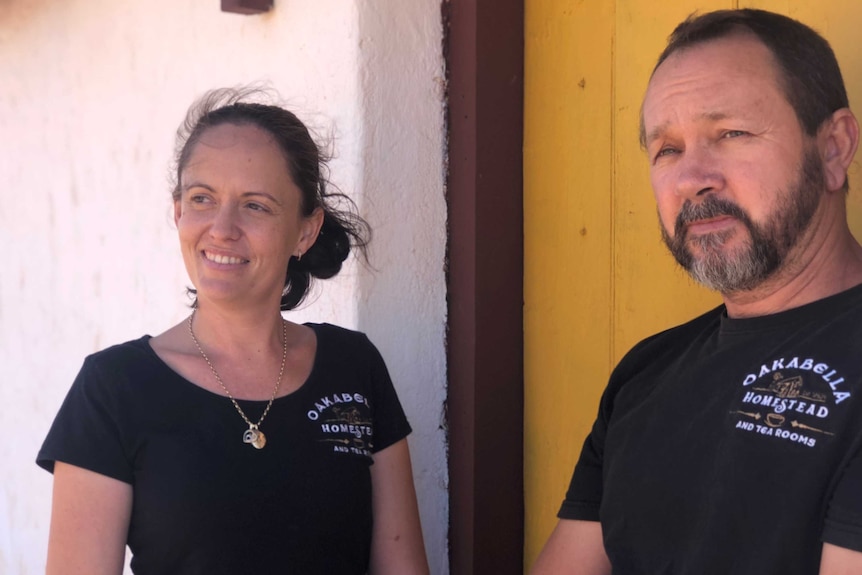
[(739, 53), (737, 40), (714, 71)]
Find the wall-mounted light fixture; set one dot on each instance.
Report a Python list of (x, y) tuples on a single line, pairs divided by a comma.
[(246, 6)]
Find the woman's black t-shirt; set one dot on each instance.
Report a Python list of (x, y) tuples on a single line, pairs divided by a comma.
[(205, 502)]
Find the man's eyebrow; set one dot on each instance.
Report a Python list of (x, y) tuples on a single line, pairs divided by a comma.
[(715, 116), (660, 130), (655, 134)]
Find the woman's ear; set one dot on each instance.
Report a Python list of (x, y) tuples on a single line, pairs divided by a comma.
[(178, 211), (838, 139), (309, 229)]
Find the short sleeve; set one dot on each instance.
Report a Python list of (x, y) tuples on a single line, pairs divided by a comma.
[(843, 525), (390, 423), (584, 496), (86, 431)]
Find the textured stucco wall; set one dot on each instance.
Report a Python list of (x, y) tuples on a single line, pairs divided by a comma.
[(91, 93)]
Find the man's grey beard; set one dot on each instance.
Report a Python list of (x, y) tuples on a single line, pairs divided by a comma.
[(749, 265)]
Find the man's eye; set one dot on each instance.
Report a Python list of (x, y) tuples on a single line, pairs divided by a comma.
[(666, 151), (734, 133)]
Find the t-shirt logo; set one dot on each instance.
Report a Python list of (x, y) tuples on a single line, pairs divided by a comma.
[(791, 400), (345, 423)]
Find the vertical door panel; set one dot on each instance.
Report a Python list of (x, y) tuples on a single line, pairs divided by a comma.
[(567, 264)]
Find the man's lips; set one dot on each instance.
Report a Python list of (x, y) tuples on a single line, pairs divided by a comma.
[(709, 225)]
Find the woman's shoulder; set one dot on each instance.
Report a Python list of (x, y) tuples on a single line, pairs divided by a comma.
[(337, 334), (135, 349), (130, 361), (120, 368), (350, 344)]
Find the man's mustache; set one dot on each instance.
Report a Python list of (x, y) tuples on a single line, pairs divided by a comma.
[(711, 207)]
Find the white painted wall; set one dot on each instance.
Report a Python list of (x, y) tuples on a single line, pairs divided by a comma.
[(91, 92)]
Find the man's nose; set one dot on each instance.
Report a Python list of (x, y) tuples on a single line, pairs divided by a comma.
[(699, 173)]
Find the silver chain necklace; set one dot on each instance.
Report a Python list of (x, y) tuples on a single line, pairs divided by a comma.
[(253, 434)]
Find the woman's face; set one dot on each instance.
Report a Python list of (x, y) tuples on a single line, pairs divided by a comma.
[(239, 217)]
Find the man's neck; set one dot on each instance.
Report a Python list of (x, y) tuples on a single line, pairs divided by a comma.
[(822, 270)]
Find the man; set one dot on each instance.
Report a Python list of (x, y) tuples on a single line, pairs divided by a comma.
[(733, 444)]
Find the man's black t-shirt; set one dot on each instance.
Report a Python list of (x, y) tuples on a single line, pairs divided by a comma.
[(730, 445)]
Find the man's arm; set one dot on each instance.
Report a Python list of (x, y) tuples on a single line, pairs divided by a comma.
[(575, 547), (840, 561)]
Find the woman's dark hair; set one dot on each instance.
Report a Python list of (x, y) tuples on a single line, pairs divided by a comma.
[(807, 68), (342, 229)]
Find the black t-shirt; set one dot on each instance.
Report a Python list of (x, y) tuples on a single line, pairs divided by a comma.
[(207, 503), (730, 445)]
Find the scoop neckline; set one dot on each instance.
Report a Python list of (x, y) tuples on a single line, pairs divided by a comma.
[(296, 392)]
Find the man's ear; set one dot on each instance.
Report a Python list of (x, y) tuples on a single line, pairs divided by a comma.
[(838, 139)]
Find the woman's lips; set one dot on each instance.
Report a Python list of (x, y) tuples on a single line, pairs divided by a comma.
[(223, 259)]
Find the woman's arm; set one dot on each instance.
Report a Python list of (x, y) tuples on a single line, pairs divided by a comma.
[(396, 542), (90, 516)]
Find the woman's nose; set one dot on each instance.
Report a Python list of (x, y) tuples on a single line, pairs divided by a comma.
[(225, 223)]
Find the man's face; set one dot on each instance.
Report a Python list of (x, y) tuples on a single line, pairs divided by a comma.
[(736, 180)]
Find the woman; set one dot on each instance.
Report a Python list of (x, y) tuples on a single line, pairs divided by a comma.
[(238, 442)]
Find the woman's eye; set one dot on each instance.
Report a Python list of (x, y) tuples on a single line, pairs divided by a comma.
[(257, 207), (198, 198)]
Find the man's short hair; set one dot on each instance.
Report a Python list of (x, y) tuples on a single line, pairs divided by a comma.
[(810, 76)]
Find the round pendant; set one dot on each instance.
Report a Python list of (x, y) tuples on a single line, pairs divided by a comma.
[(254, 436)]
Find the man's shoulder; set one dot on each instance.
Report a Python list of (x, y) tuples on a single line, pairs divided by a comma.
[(707, 322), (835, 322), (668, 346)]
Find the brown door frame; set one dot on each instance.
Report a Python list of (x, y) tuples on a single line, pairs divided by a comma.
[(484, 49)]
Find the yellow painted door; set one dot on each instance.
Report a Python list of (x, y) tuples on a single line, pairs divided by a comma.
[(597, 276)]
